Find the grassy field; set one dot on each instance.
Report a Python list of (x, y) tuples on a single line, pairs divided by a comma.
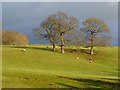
[(39, 67)]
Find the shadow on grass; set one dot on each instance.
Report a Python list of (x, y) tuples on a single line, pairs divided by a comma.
[(103, 83), (38, 48), (78, 51), (69, 50), (69, 86), (42, 48), (118, 69), (50, 49)]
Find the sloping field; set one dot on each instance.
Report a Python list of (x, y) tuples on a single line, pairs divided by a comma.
[(39, 67)]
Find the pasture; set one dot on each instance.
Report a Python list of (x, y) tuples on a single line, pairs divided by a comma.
[(39, 67)]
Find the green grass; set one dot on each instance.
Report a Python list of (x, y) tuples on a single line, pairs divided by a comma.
[(39, 67)]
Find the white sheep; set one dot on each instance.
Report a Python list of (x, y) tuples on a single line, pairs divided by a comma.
[(23, 50), (77, 57), (91, 61)]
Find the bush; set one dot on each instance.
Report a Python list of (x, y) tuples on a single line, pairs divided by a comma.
[(14, 38)]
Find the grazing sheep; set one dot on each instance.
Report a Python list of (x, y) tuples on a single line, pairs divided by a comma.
[(23, 50), (91, 59), (77, 57), (56, 46)]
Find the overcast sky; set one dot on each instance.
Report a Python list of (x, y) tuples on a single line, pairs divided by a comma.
[(23, 17), (60, 0)]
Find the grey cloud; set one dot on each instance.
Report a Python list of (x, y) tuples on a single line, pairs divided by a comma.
[(23, 17)]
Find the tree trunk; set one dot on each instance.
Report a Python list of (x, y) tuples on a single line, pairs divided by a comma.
[(53, 47), (92, 44), (62, 43), (91, 50)]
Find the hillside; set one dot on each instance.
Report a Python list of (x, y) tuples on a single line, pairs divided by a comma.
[(39, 67)]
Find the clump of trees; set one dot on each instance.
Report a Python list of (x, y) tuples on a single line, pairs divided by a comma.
[(55, 27), (60, 28), (14, 38)]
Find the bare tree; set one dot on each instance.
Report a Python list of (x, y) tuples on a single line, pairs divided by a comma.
[(94, 29), (63, 24), (103, 40), (47, 31), (74, 37)]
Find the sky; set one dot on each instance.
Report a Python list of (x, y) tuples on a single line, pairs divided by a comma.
[(60, 0), (23, 17), (0, 16)]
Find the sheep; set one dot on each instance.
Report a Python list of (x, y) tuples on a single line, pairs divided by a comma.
[(90, 59), (77, 57), (23, 50)]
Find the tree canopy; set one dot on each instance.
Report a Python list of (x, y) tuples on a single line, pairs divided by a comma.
[(96, 32), (55, 27), (60, 28)]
